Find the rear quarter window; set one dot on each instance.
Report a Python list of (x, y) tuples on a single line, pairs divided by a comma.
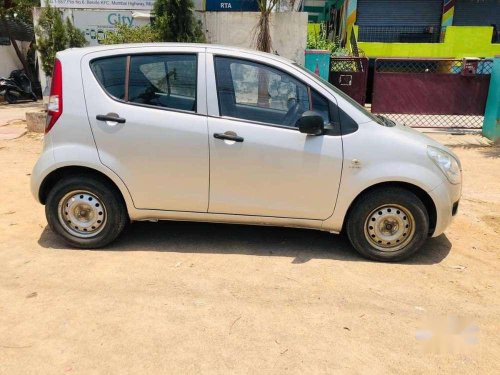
[(110, 72)]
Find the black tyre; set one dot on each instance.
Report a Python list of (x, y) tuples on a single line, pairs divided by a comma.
[(388, 224), (86, 212), (10, 97)]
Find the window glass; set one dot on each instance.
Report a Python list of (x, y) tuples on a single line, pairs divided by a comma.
[(257, 92), (343, 95), (110, 72), (163, 80), (348, 124), (321, 106)]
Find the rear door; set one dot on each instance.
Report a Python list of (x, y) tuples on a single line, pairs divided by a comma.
[(158, 143)]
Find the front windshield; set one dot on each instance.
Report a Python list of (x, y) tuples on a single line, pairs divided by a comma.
[(343, 95)]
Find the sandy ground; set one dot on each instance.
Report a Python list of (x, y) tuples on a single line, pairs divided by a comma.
[(12, 113), (213, 298)]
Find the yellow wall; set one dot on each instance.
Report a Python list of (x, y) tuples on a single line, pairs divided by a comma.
[(459, 42), (313, 28)]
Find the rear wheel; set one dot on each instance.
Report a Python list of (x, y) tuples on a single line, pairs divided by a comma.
[(87, 213), (388, 224)]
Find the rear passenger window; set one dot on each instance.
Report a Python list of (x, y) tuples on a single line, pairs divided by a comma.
[(110, 72), (164, 81)]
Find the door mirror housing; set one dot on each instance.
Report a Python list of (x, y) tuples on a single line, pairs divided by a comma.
[(310, 123)]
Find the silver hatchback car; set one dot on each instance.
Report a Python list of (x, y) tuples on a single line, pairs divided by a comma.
[(212, 133)]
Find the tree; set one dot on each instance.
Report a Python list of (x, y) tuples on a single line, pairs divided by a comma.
[(129, 34), (174, 21), (264, 42), (51, 35), (55, 35), (76, 38), (17, 10)]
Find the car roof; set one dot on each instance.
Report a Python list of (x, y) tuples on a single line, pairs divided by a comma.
[(229, 49)]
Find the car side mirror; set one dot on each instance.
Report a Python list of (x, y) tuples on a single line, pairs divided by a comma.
[(310, 123)]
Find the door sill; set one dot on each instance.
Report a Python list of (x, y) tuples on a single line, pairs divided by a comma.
[(153, 215)]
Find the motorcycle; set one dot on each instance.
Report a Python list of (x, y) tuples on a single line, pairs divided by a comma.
[(16, 87)]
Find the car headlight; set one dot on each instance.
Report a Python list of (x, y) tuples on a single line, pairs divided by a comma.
[(447, 163)]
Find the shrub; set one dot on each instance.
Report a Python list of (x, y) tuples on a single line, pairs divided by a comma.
[(318, 39), (54, 35), (128, 34)]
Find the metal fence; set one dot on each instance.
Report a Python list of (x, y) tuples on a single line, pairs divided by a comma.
[(432, 93), (348, 64), (442, 66), (437, 121)]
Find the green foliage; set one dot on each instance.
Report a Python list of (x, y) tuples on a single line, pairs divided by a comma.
[(318, 39), (341, 52), (19, 9), (175, 22), (54, 36), (51, 37), (127, 34), (76, 38)]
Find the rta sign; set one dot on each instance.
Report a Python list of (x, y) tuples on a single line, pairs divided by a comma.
[(232, 5)]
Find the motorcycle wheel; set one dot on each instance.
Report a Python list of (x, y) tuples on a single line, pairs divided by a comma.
[(10, 97)]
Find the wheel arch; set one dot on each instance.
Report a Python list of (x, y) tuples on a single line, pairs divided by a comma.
[(75, 170), (424, 197)]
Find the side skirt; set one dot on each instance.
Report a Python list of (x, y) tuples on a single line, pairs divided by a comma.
[(156, 215)]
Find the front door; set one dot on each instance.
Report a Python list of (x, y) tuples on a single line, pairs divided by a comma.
[(260, 164), (158, 145)]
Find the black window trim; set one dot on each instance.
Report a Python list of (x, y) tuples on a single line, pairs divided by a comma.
[(128, 57), (329, 132), (99, 82)]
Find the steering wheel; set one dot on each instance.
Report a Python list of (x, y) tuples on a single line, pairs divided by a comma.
[(292, 114)]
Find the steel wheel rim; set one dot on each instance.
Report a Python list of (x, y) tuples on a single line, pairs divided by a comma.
[(389, 227), (82, 214)]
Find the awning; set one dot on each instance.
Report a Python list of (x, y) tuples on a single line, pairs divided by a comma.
[(19, 31), (141, 15)]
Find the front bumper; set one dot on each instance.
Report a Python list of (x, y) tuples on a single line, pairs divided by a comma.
[(446, 198)]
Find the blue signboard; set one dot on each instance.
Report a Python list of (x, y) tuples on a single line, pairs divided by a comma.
[(232, 5)]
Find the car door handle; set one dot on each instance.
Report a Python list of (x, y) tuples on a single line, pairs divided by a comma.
[(229, 137), (111, 117)]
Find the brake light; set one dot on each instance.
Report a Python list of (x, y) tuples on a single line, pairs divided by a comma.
[(55, 106)]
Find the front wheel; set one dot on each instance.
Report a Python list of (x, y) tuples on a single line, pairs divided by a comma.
[(86, 212), (388, 224)]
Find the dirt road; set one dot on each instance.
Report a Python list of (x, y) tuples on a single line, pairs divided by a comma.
[(206, 298)]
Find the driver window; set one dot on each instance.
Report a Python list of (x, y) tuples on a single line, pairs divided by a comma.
[(257, 92)]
